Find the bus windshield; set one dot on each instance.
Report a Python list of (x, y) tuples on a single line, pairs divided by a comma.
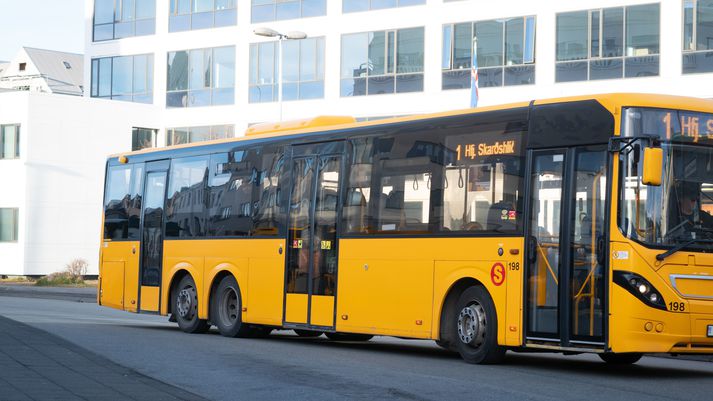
[(679, 210)]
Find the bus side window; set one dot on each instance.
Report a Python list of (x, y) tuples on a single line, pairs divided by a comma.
[(185, 208), (116, 203), (269, 215)]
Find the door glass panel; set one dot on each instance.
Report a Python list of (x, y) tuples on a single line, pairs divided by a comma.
[(152, 241), (544, 244), (325, 227), (587, 274), (299, 254)]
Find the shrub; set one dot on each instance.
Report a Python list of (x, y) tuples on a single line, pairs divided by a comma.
[(72, 275)]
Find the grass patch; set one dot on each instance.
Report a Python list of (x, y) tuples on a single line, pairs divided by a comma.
[(60, 279)]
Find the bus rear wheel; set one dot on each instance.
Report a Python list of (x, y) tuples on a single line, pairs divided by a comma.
[(226, 311), (621, 359), (348, 337), (185, 307), (475, 335)]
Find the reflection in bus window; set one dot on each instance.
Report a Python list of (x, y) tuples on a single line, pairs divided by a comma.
[(184, 210)]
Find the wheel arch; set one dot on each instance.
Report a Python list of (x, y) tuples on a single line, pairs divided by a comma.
[(175, 279), (449, 303)]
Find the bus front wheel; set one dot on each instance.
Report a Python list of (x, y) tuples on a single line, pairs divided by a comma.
[(475, 335), (185, 307)]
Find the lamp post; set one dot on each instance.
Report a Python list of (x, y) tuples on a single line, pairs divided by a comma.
[(271, 33)]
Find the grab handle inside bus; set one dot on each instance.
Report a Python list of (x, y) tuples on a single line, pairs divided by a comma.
[(653, 166)]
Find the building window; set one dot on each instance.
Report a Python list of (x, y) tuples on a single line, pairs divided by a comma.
[(22, 66), (116, 19), (274, 10), (8, 224), (177, 136), (143, 138), (382, 62), (697, 36), (506, 53), (608, 43), (350, 6), (127, 78), (302, 70), (201, 77), (10, 141), (186, 15)]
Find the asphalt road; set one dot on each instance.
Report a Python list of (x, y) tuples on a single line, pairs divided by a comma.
[(287, 367)]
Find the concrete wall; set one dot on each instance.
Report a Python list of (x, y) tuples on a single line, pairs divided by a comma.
[(58, 183)]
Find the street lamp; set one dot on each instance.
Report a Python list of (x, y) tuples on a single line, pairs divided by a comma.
[(271, 33)]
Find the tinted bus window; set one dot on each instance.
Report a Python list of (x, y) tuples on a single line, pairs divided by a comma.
[(465, 176), (270, 212), (134, 207), (116, 202), (231, 185), (185, 208)]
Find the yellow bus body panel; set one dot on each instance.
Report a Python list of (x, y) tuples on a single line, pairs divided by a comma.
[(397, 286), (322, 310), (120, 290), (243, 258), (149, 298), (296, 308)]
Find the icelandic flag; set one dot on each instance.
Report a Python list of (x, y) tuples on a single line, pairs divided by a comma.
[(474, 76)]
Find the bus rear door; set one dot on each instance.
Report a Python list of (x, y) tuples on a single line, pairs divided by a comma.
[(311, 272)]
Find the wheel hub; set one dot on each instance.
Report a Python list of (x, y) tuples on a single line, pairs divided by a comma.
[(184, 303), (229, 306), (471, 325)]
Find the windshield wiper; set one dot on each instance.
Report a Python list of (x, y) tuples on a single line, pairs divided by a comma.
[(682, 245)]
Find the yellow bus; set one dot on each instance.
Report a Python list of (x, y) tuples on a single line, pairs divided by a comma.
[(568, 225)]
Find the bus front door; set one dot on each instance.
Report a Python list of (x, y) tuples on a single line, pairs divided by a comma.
[(152, 219), (566, 240), (311, 280)]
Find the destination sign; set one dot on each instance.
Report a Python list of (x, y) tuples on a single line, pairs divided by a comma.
[(670, 125), (473, 150)]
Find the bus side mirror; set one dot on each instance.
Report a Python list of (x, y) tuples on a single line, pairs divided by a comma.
[(653, 166)]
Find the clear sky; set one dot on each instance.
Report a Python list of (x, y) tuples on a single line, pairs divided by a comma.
[(45, 24)]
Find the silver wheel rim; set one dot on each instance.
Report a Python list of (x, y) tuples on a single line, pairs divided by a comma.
[(229, 306), (186, 303), (472, 325)]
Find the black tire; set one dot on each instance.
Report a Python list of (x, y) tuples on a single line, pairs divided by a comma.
[(307, 333), (348, 337), (621, 359), (474, 331), (184, 301), (445, 345), (226, 309)]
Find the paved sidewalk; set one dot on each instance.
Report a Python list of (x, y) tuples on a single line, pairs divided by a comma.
[(78, 294), (36, 365)]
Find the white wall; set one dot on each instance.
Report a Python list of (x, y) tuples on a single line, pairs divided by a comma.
[(58, 183), (432, 16), (13, 110)]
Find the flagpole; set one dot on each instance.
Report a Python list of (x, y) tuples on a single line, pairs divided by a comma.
[(474, 75)]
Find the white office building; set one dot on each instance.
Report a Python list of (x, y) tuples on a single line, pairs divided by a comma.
[(202, 64)]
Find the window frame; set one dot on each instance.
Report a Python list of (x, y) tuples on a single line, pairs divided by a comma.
[(16, 152), (212, 88), (370, 8), (176, 13), (213, 133), (623, 58), (527, 61), (15, 219), (274, 11), (94, 88), (693, 51), (118, 7)]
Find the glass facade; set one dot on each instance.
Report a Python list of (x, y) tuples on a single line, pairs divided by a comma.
[(697, 36), (201, 77), (350, 6), (8, 224), (9, 141), (127, 78), (382, 62), (186, 15), (143, 138), (117, 19), (609, 43), (302, 70), (177, 136), (505, 49), (275, 10)]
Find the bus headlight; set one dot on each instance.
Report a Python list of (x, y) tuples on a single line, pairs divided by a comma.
[(640, 288)]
